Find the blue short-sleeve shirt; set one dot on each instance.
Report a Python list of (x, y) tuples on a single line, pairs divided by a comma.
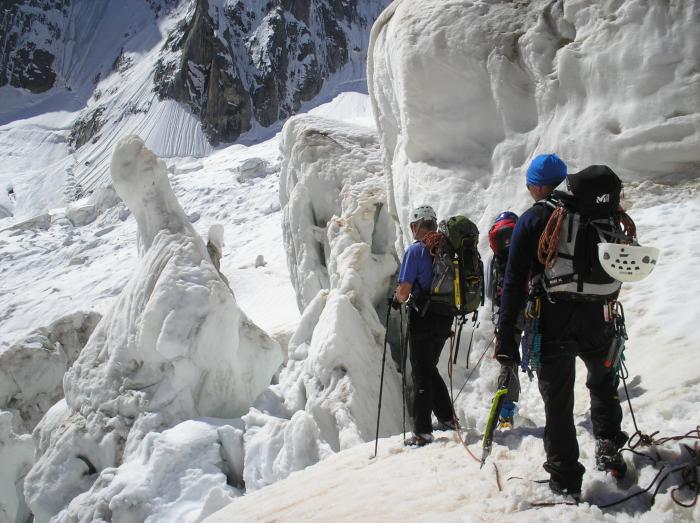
[(417, 267)]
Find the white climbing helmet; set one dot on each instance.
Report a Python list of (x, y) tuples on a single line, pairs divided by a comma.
[(423, 212), (627, 263)]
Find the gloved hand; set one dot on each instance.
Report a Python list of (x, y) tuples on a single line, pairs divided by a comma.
[(393, 303), (505, 354), (508, 372)]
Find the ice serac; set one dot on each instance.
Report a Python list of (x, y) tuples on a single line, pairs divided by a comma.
[(16, 456), (466, 93), (31, 370), (173, 347), (176, 475), (321, 160), (340, 243)]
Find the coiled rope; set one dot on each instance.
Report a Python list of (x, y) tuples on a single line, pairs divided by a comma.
[(628, 225), (434, 241), (549, 239)]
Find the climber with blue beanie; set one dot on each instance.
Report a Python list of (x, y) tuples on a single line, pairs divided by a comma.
[(567, 329), (546, 170)]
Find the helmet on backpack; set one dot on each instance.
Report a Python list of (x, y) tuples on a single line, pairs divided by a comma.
[(627, 263), (423, 212), (501, 231)]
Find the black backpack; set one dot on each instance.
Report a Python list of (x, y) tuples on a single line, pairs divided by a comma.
[(586, 211), (454, 254)]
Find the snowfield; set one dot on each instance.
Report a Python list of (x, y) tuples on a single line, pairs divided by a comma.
[(248, 391)]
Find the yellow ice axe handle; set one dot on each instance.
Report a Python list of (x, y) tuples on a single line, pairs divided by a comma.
[(491, 423)]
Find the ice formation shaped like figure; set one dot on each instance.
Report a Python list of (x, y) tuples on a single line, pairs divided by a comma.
[(174, 346), (465, 94)]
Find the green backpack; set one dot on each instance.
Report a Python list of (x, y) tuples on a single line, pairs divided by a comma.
[(457, 287)]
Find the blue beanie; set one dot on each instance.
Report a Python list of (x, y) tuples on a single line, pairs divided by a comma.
[(546, 169)]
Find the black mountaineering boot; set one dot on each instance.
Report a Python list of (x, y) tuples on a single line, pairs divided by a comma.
[(559, 489), (608, 457), (418, 440), (445, 425)]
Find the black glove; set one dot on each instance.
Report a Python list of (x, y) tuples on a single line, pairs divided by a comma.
[(393, 303), (508, 372), (506, 354)]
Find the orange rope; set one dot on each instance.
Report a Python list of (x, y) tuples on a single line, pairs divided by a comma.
[(434, 241), (549, 240), (628, 224)]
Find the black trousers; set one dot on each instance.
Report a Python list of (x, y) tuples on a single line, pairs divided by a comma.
[(570, 330), (427, 336)]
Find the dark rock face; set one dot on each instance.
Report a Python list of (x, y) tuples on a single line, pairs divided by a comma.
[(233, 62), (86, 128), (198, 78), (29, 31)]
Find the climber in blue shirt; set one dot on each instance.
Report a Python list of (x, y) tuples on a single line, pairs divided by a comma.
[(427, 333)]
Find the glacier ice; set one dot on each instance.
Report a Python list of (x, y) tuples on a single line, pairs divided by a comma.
[(31, 370), (16, 456), (466, 93), (174, 346), (332, 189)]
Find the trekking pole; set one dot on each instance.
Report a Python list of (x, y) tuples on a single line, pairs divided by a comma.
[(475, 326), (402, 343), (459, 322), (381, 379)]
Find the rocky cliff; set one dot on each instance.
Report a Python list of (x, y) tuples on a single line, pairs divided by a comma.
[(236, 63), (29, 34)]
